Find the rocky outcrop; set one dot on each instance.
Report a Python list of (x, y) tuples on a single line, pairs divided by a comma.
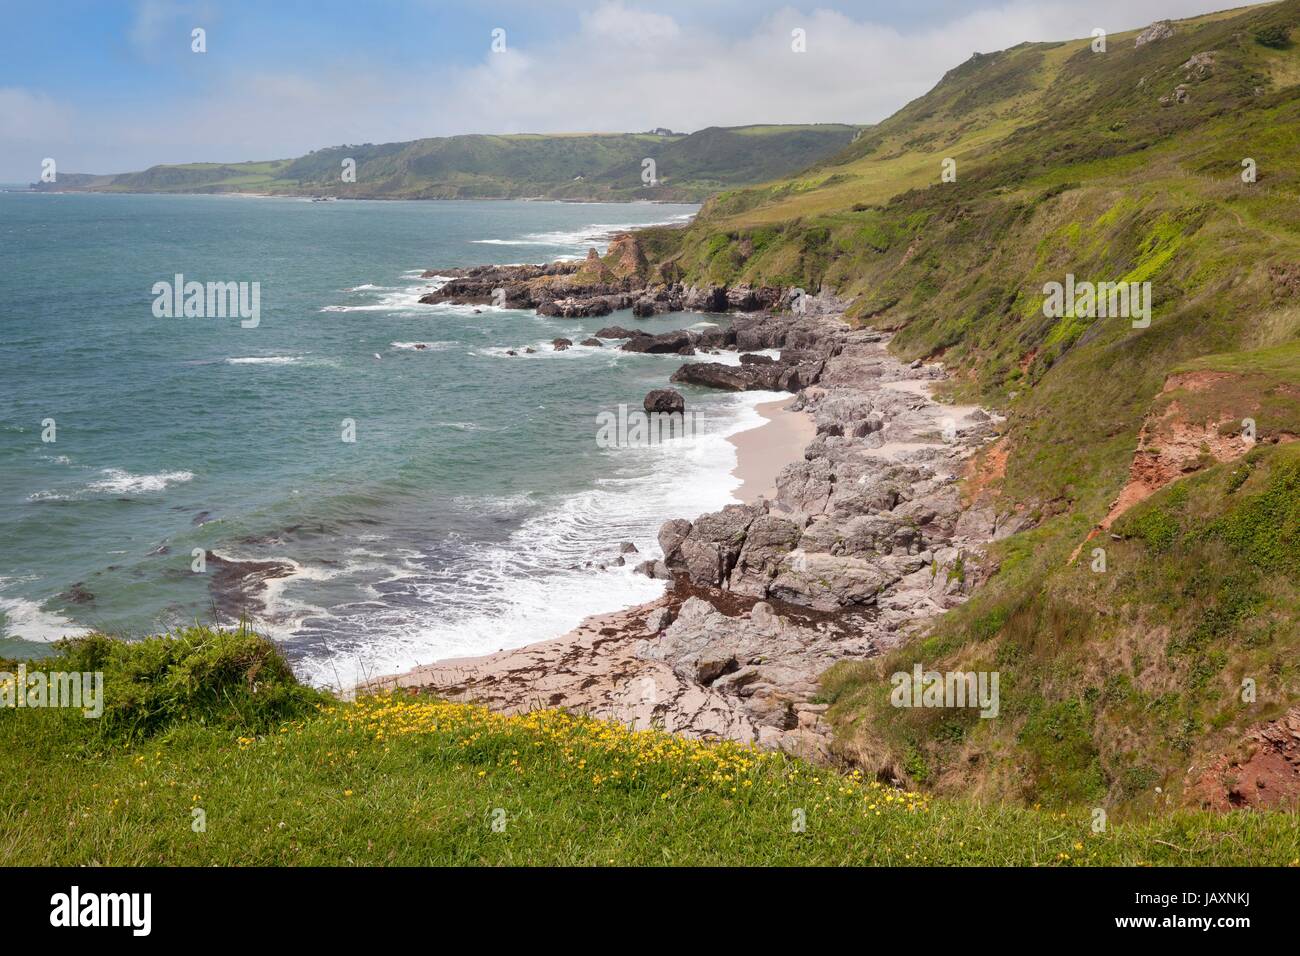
[(1160, 30), (1261, 772), (622, 279), (664, 343)]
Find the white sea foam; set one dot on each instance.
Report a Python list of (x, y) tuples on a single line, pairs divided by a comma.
[(266, 360), (118, 481), (595, 234), (729, 358), (31, 622), (424, 346)]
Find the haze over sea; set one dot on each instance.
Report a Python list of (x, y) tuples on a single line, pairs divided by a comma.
[(470, 514)]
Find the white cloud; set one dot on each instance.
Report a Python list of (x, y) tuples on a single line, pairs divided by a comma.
[(31, 117)]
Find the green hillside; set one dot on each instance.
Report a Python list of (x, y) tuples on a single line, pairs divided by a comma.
[(1118, 165), (569, 166)]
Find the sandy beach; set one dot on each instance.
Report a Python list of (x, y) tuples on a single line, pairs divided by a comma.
[(762, 452)]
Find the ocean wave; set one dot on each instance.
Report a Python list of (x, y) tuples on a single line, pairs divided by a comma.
[(116, 481), (544, 349), (727, 357), (31, 622), (597, 234), (424, 346), (265, 360)]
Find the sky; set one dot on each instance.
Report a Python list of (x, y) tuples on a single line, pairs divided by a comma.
[(110, 86)]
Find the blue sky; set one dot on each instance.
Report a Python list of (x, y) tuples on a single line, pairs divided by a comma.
[(112, 86)]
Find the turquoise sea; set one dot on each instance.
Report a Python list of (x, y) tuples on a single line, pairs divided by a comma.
[(470, 513)]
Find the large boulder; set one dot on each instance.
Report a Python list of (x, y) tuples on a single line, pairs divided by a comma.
[(618, 332), (665, 400), (828, 582), (767, 542), (713, 375), (671, 535), (714, 543)]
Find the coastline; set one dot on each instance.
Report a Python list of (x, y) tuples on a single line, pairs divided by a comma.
[(849, 535)]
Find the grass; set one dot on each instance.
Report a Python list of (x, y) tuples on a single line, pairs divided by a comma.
[(279, 774)]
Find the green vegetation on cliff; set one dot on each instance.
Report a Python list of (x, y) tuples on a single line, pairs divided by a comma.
[(1131, 164)]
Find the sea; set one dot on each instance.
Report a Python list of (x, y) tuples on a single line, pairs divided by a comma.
[(371, 482)]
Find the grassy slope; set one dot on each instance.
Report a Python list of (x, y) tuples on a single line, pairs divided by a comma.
[(689, 167), (1068, 163), (287, 776)]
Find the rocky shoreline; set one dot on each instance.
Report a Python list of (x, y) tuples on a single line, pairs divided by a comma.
[(866, 538)]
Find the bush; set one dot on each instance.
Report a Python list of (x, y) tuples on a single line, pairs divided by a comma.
[(204, 675), (1277, 37)]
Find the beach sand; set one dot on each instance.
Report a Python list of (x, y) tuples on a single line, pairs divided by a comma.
[(762, 452)]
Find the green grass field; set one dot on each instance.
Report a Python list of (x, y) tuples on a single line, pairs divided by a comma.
[(210, 728)]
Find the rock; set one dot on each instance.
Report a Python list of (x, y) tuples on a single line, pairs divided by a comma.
[(1202, 64), (827, 582), (595, 343), (708, 299), (713, 545), (709, 669), (530, 350), (658, 619), (77, 594), (1160, 30), (561, 344), (664, 343), (671, 535), (627, 547), (713, 375), (664, 400), (654, 569), (751, 359), (768, 540), (618, 332)]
